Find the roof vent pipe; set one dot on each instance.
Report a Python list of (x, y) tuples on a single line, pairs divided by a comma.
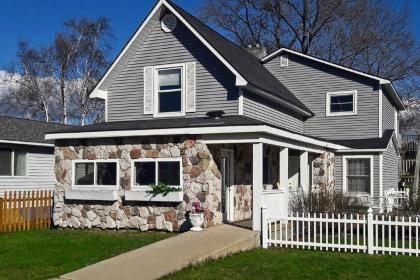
[(215, 114)]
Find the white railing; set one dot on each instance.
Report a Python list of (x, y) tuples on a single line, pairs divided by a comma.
[(276, 202), (408, 167), (372, 234)]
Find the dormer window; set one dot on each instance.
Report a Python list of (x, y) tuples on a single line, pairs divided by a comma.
[(341, 103)]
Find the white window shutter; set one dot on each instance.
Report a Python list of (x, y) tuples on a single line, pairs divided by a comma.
[(190, 87), (148, 90)]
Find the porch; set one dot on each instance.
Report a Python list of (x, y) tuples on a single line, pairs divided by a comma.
[(257, 174)]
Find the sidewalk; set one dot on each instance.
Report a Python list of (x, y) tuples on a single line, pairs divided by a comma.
[(169, 255)]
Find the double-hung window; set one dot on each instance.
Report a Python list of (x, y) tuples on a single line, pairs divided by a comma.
[(341, 103), (169, 91), (89, 173), (358, 174), (148, 172), (13, 162)]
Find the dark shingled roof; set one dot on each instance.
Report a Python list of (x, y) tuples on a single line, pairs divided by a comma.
[(23, 130), (162, 123), (245, 63), (367, 143), (174, 123)]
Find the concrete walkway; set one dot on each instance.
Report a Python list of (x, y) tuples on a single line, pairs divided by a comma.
[(169, 255)]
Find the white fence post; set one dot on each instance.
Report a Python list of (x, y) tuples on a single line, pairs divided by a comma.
[(264, 227), (370, 231)]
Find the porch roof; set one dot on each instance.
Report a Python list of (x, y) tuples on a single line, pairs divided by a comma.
[(368, 143), (238, 125)]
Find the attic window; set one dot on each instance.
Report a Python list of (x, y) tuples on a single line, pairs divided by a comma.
[(284, 61), (169, 23)]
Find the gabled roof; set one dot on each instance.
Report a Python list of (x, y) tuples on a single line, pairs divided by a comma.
[(368, 143), (26, 132), (249, 72), (387, 84)]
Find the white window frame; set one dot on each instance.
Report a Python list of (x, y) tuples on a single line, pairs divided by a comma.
[(95, 186), (345, 187), (339, 93), (156, 69), (13, 165), (155, 160)]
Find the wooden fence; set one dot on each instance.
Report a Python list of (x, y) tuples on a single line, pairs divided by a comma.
[(371, 234), (25, 210)]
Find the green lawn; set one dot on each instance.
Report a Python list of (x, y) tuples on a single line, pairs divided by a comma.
[(49, 253), (302, 264)]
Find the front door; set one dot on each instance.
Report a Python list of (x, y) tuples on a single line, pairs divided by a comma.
[(226, 162)]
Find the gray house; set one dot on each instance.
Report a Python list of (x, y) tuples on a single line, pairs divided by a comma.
[(26, 158), (230, 128)]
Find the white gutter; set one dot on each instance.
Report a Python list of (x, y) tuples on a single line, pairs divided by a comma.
[(195, 131), (26, 143)]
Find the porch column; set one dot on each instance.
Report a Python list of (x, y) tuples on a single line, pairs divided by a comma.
[(284, 168), (257, 184), (304, 171)]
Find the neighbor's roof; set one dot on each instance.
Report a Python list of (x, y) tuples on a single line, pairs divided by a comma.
[(24, 131), (238, 60), (368, 143), (387, 84)]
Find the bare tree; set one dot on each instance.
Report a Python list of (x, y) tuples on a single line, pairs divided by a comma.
[(79, 57), (368, 35), (56, 81), (31, 88)]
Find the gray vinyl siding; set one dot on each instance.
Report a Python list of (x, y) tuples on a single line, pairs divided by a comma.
[(387, 113), (40, 172), (310, 81), (339, 172), (391, 167), (215, 84), (257, 108)]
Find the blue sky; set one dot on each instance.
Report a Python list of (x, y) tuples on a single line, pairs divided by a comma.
[(37, 21)]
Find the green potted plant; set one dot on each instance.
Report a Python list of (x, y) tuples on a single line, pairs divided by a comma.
[(197, 216), (162, 189)]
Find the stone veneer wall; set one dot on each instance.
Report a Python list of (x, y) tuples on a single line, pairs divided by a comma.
[(200, 174), (324, 170), (242, 201)]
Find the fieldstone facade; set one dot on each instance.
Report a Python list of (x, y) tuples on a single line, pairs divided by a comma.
[(242, 200), (201, 182), (324, 170)]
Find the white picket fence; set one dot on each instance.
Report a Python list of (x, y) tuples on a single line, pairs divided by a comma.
[(276, 202), (372, 234)]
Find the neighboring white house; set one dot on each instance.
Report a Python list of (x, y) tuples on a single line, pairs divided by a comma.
[(26, 159)]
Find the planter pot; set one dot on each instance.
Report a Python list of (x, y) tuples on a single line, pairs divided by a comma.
[(197, 220)]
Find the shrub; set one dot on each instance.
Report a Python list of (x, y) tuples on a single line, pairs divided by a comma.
[(325, 201)]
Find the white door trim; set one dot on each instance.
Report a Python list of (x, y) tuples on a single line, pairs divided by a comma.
[(229, 199)]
